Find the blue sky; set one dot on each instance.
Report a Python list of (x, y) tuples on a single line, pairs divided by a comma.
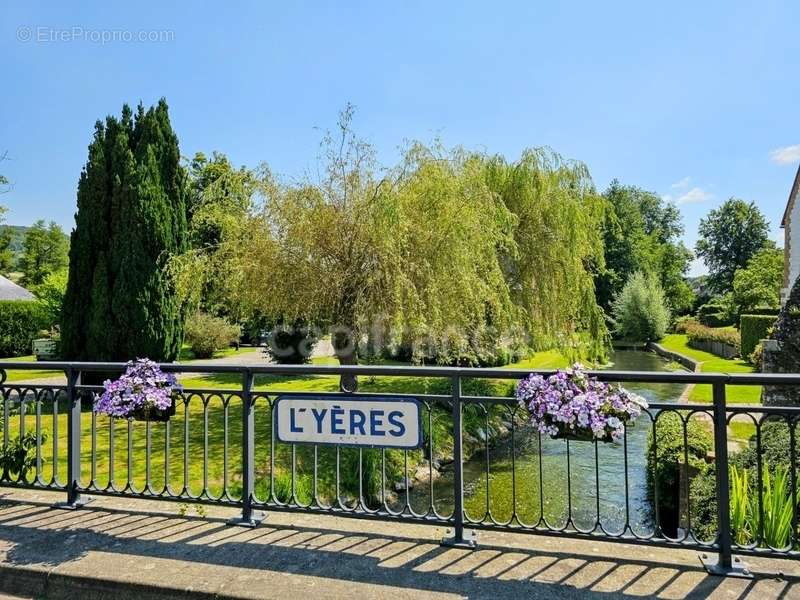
[(696, 101)]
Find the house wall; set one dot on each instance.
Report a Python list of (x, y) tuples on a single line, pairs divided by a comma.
[(791, 248)]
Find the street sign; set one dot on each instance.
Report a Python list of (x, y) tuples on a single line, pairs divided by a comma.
[(373, 421)]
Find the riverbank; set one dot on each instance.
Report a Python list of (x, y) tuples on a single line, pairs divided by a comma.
[(706, 362)]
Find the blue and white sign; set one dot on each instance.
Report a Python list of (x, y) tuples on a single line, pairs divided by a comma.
[(349, 421)]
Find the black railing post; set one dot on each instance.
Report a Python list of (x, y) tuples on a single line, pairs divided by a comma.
[(249, 518), (724, 564), (74, 498), (458, 537)]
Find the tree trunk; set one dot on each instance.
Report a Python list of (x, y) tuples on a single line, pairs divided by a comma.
[(345, 348)]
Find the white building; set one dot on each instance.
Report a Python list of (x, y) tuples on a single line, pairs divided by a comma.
[(791, 243)]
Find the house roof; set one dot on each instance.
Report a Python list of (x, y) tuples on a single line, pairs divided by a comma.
[(11, 291), (792, 197)]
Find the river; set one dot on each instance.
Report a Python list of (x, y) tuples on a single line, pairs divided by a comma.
[(536, 484)]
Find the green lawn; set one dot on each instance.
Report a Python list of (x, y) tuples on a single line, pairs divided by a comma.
[(13, 375), (710, 363), (186, 354), (130, 439)]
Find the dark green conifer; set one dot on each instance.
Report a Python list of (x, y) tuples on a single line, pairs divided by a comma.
[(119, 303)]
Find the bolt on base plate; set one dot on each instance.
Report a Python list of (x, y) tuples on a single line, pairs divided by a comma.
[(737, 569), (254, 520), (469, 539), (80, 502)]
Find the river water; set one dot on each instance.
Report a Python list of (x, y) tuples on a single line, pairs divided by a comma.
[(533, 484)]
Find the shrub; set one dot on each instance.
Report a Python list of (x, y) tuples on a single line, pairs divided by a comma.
[(665, 472), (716, 320), (291, 345), (205, 334), (700, 333), (681, 323), (20, 320), (19, 456), (753, 329), (756, 357), (51, 295), (719, 313), (710, 308), (640, 311)]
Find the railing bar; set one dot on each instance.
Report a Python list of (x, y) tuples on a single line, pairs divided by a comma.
[(597, 521), (129, 484), (186, 401), (205, 445), (94, 449), (112, 425), (569, 486), (627, 482), (759, 470), (55, 439), (38, 440), (167, 453), (148, 454), (793, 477), (225, 446)]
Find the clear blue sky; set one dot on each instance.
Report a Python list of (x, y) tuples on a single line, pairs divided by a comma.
[(686, 99)]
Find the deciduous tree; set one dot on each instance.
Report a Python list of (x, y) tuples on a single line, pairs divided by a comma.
[(729, 237), (44, 250), (759, 283)]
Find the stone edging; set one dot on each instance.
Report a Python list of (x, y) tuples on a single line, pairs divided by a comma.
[(687, 362)]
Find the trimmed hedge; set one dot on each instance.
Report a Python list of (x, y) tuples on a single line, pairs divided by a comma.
[(716, 320), (753, 329), (700, 333), (763, 310), (20, 320), (710, 308)]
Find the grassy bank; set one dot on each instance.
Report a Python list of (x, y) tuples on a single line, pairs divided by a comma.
[(710, 363)]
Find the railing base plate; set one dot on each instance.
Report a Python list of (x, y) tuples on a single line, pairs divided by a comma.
[(469, 539), (254, 521), (79, 503), (737, 569)]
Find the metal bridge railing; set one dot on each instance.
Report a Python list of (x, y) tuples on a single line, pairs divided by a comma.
[(480, 467)]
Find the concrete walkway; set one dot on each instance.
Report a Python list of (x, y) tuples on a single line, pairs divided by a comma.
[(116, 548)]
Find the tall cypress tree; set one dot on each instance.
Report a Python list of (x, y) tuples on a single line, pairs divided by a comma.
[(132, 193)]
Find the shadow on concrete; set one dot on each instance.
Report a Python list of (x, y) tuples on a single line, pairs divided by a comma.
[(36, 535)]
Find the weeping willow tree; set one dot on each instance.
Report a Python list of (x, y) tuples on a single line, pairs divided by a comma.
[(453, 251), (558, 245)]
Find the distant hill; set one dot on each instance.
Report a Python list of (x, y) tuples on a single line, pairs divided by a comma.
[(18, 235)]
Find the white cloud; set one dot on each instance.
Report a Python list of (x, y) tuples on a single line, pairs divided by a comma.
[(694, 196), (683, 183), (786, 155)]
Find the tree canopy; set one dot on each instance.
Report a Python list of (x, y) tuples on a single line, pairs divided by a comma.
[(45, 250), (452, 252), (759, 283), (729, 237), (641, 233), (6, 255), (119, 302)]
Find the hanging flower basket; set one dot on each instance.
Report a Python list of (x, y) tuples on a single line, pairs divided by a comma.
[(143, 393), (571, 405)]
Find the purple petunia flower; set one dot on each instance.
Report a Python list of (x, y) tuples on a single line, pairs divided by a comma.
[(143, 386), (572, 402)]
